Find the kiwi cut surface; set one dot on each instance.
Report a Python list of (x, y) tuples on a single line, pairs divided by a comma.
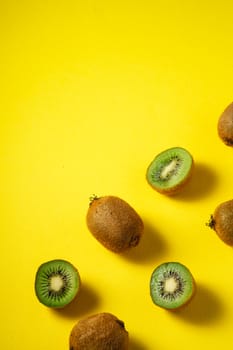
[(170, 170), (57, 283), (172, 285), (225, 125), (222, 221), (102, 331), (114, 223)]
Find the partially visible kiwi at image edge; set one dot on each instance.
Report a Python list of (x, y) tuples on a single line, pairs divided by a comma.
[(221, 221), (101, 331), (225, 125), (170, 171), (57, 283), (172, 286), (114, 223)]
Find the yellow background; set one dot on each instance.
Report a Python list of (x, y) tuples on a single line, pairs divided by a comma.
[(90, 92)]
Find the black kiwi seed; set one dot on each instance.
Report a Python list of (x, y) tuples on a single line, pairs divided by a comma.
[(114, 223), (102, 331), (225, 125), (170, 170), (221, 221), (172, 285), (57, 283)]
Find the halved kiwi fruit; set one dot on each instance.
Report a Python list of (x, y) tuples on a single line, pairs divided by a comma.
[(170, 170), (172, 285), (225, 125), (221, 221), (57, 283), (102, 331), (114, 223)]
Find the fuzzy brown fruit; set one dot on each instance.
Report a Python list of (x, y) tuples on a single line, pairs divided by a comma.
[(102, 331), (114, 223), (225, 126), (222, 221)]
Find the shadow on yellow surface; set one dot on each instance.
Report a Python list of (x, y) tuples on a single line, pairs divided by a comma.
[(203, 181), (86, 301), (151, 247), (204, 308), (135, 344)]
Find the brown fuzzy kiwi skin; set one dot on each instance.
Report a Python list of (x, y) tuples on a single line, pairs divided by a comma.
[(102, 331), (225, 126), (222, 221), (114, 223)]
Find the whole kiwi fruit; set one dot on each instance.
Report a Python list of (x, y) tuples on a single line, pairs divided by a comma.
[(114, 223), (221, 221), (225, 125), (102, 331)]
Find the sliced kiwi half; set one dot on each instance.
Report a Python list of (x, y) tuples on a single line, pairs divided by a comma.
[(172, 285), (170, 170), (57, 283)]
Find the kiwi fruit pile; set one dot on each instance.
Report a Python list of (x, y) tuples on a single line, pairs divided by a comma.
[(171, 285), (170, 170), (57, 283), (118, 227), (225, 125), (221, 221), (114, 223), (102, 331)]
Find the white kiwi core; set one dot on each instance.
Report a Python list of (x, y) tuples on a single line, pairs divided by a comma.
[(168, 169), (56, 283), (171, 285)]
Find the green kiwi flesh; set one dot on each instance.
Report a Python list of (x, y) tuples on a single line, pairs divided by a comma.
[(114, 223), (57, 283), (222, 221), (170, 170), (225, 125), (172, 285), (102, 331)]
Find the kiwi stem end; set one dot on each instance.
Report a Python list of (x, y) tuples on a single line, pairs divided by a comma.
[(92, 198), (211, 222)]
